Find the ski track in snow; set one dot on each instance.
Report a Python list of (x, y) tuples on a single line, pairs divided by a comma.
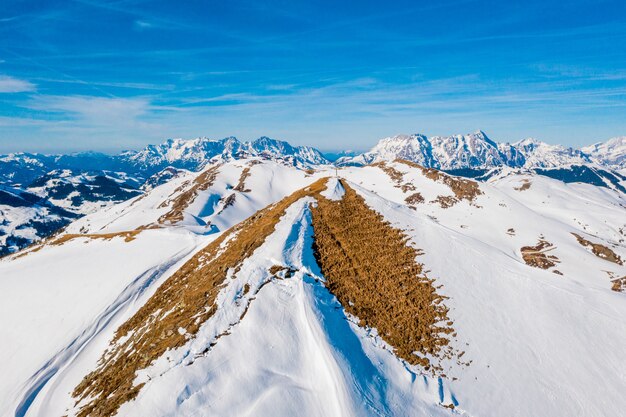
[(64, 358)]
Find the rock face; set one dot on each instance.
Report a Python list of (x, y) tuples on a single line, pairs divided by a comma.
[(195, 153), (477, 151)]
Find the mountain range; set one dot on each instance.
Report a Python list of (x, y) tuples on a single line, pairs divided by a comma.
[(41, 193), (477, 151)]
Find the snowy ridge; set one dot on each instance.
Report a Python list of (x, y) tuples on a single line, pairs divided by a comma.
[(476, 150), (539, 342)]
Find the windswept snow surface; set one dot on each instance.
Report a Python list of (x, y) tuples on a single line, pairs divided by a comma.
[(538, 343)]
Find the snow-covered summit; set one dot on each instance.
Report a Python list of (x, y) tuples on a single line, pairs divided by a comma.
[(477, 150), (539, 154), (195, 153), (611, 153), (474, 150)]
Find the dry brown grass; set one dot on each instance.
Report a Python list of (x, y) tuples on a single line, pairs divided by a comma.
[(374, 274), (368, 266), (396, 176), (599, 250), (619, 284), (185, 300), (462, 188), (59, 238), (128, 236), (241, 185), (184, 199), (415, 198), (536, 255), (525, 185), (445, 201)]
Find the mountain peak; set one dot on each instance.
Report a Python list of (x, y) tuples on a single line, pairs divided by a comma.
[(476, 150)]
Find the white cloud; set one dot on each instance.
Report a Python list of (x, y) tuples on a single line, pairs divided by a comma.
[(142, 24), (95, 110), (14, 85)]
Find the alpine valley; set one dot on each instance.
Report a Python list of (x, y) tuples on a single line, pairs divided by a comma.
[(435, 276)]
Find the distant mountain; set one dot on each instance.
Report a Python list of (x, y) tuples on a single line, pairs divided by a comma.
[(57, 188), (26, 217), (42, 193), (19, 169), (538, 154), (474, 151), (611, 153), (53, 200), (84, 192), (196, 153)]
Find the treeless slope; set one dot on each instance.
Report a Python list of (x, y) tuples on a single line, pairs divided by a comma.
[(184, 199), (368, 265), (374, 274), (462, 188), (185, 300)]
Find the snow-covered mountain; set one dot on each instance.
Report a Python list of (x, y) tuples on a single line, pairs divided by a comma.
[(472, 151), (254, 287), (82, 183), (538, 154), (611, 153), (26, 217), (53, 200), (195, 153)]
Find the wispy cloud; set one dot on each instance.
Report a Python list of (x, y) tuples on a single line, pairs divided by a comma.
[(98, 111), (142, 25), (15, 85)]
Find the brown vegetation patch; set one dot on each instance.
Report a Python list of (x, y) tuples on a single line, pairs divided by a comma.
[(407, 186), (415, 198), (525, 185), (374, 274), (619, 284), (536, 255), (396, 176), (185, 198), (127, 235), (462, 188), (599, 250), (445, 201), (185, 300), (241, 185)]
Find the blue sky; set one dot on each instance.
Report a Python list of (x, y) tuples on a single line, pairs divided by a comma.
[(112, 75)]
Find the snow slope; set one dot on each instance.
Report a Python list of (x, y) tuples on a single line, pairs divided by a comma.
[(538, 343)]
